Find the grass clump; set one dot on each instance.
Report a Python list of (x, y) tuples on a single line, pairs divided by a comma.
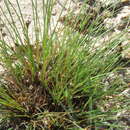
[(56, 82)]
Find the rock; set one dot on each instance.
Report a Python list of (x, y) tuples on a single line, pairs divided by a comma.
[(108, 2)]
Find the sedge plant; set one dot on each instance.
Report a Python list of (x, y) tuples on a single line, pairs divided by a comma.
[(56, 82)]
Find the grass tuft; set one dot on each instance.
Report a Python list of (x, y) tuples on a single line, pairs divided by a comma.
[(58, 81)]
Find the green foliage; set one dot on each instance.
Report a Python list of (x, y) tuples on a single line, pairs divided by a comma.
[(56, 82)]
